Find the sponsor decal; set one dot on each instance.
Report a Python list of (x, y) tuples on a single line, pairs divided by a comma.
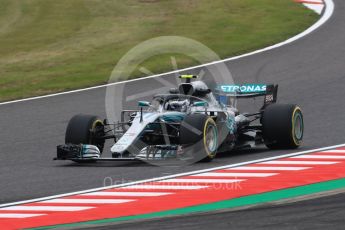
[(118, 147), (125, 139), (247, 88)]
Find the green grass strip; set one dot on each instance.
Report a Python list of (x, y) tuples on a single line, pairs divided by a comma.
[(225, 204), (49, 46)]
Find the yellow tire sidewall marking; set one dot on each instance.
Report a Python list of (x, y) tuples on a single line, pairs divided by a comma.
[(296, 142), (209, 154)]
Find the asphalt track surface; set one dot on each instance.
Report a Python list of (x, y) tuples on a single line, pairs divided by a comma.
[(310, 72)]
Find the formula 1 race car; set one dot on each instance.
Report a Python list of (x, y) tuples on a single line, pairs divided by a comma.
[(191, 123)]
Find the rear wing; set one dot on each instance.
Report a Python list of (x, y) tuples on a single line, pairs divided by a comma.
[(226, 92)]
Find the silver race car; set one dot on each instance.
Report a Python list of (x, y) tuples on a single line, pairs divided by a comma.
[(190, 123)]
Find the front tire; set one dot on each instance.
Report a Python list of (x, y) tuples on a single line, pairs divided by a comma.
[(283, 126), (83, 129), (199, 135)]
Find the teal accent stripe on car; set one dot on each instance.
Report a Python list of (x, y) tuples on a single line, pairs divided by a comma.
[(173, 117)]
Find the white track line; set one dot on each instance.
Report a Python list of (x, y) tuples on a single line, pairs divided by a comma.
[(87, 201), (167, 187), (319, 157), (122, 186), (334, 151), (299, 162), (19, 215), (129, 194), (269, 168), (46, 208), (192, 181), (215, 174), (326, 15)]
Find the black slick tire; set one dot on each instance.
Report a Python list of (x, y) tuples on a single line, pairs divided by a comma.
[(283, 126), (81, 129), (199, 136)]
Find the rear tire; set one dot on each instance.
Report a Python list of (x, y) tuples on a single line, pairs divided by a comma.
[(283, 126), (81, 129), (199, 136)]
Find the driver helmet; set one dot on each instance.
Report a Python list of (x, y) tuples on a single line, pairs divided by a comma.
[(180, 106)]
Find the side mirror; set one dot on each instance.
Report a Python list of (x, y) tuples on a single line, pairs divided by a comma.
[(143, 103), (200, 103)]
